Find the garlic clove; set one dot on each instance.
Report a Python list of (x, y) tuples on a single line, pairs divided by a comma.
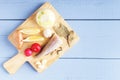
[(41, 66), (44, 62), (38, 63)]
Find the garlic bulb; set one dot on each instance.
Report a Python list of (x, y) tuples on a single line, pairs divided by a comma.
[(47, 33)]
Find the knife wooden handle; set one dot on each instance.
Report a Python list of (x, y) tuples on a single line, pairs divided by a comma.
[(15, 63)]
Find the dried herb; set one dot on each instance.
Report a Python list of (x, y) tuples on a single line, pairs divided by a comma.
[(62, 31), (70, 37), (59, 50)]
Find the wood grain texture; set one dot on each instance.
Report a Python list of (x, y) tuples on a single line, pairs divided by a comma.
[(96, 22), (16, 62), (63, 69), (99, 39)]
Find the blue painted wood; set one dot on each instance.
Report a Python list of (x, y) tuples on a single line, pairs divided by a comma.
[(23, 1), (6, 27), (78, 70), (80, 9), (98, 39)]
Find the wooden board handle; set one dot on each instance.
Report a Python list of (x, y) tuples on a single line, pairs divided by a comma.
[(15, 63)]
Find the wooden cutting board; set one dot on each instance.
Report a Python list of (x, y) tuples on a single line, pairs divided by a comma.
[(17, 61)]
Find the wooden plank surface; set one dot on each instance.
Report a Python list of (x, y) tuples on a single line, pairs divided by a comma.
[(84, 69), (82, 9), (96, 56), (98, 39)]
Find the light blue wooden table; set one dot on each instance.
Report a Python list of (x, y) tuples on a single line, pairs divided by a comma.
[(95, 57)]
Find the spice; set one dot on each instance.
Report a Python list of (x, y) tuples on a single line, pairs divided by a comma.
[(70, 37), (41, 64), (59, 50), (62, 31)]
